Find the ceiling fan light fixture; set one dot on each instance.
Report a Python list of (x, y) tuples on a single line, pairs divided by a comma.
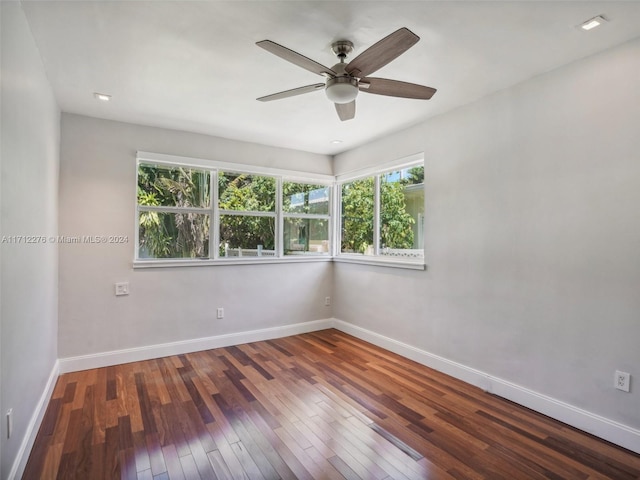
[(342, 89)]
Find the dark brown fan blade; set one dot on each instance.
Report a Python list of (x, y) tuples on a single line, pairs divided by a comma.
[(296, 58), (292, 93), (395, 88), (346, 111), (378, 55)]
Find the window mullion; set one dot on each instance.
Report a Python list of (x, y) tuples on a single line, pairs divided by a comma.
[(214, 223), (336, 222), (136, 253), (312, 216), (279, 220), (376, 216), (247, 213), (169, 209)]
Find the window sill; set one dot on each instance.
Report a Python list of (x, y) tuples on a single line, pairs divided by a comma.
[(417, 264), (230, 261), (361, 260)]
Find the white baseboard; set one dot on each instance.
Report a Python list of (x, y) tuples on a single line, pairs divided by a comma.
[(597, 425), (116, 357), (29, 438)]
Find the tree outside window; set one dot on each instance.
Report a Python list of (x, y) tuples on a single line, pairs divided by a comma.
[(306, 218), (247, 213), (174, 213), (401, 213)]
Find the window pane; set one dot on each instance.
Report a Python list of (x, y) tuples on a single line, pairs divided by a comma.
[(305, 198), (173, 186), (357, 216), (247, 236), (246, 193), (173, 235), (402, 212), (306, 235)]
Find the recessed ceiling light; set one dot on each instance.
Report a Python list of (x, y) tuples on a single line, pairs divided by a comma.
[(103, 97), (593, 23), (335, 142)]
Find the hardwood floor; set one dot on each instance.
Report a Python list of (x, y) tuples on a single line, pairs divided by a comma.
[(319, 405)]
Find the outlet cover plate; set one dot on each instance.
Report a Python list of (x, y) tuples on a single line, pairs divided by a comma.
[(122, 288), (622, 381)]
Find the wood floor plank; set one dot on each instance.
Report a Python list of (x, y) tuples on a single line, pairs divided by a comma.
[(112, 466), (312, 406), (248, 464), (143, 462), (189, 468), (156, 387), (228, 456), (156, 457), (174, 467), (219, 466)]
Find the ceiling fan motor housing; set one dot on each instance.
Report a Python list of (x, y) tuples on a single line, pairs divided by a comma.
[(343, 88)]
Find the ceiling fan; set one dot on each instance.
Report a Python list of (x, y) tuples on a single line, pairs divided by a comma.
[(345, 80)]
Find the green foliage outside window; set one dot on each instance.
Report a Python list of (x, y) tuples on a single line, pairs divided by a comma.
[(396, 223), (305, 234), (357, 215), (246, 193), (173, 234), (178, 234)]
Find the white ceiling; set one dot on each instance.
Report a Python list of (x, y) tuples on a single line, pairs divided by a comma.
[(193, 65)]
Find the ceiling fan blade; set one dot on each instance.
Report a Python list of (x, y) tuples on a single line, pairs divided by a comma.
[(292, 93), (381, 53), (395, 88), (346, 111), (296, 58)]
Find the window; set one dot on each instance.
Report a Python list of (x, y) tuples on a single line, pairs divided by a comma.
[(247, 208), (218, 214), (383, 214), (357, 216), (306, 214), (200, 212), (402, 212), (174, 212)]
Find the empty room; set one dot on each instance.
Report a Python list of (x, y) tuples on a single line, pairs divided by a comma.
[(320, 239)]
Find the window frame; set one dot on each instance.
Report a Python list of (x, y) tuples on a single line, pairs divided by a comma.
[(214, 168), (377, 172), (281, 175), (308, 216), (245, 213), (172, 209)]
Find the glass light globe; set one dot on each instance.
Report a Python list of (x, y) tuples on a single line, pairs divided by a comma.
[(342, 89)]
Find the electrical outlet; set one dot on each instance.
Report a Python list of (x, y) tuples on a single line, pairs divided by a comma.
[(327, 301), (122, 288), (622, 381), (220, 313), (9, 422)]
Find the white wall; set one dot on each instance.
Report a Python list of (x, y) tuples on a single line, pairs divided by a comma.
[(98, 197), (532, 237), (29, 191)]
